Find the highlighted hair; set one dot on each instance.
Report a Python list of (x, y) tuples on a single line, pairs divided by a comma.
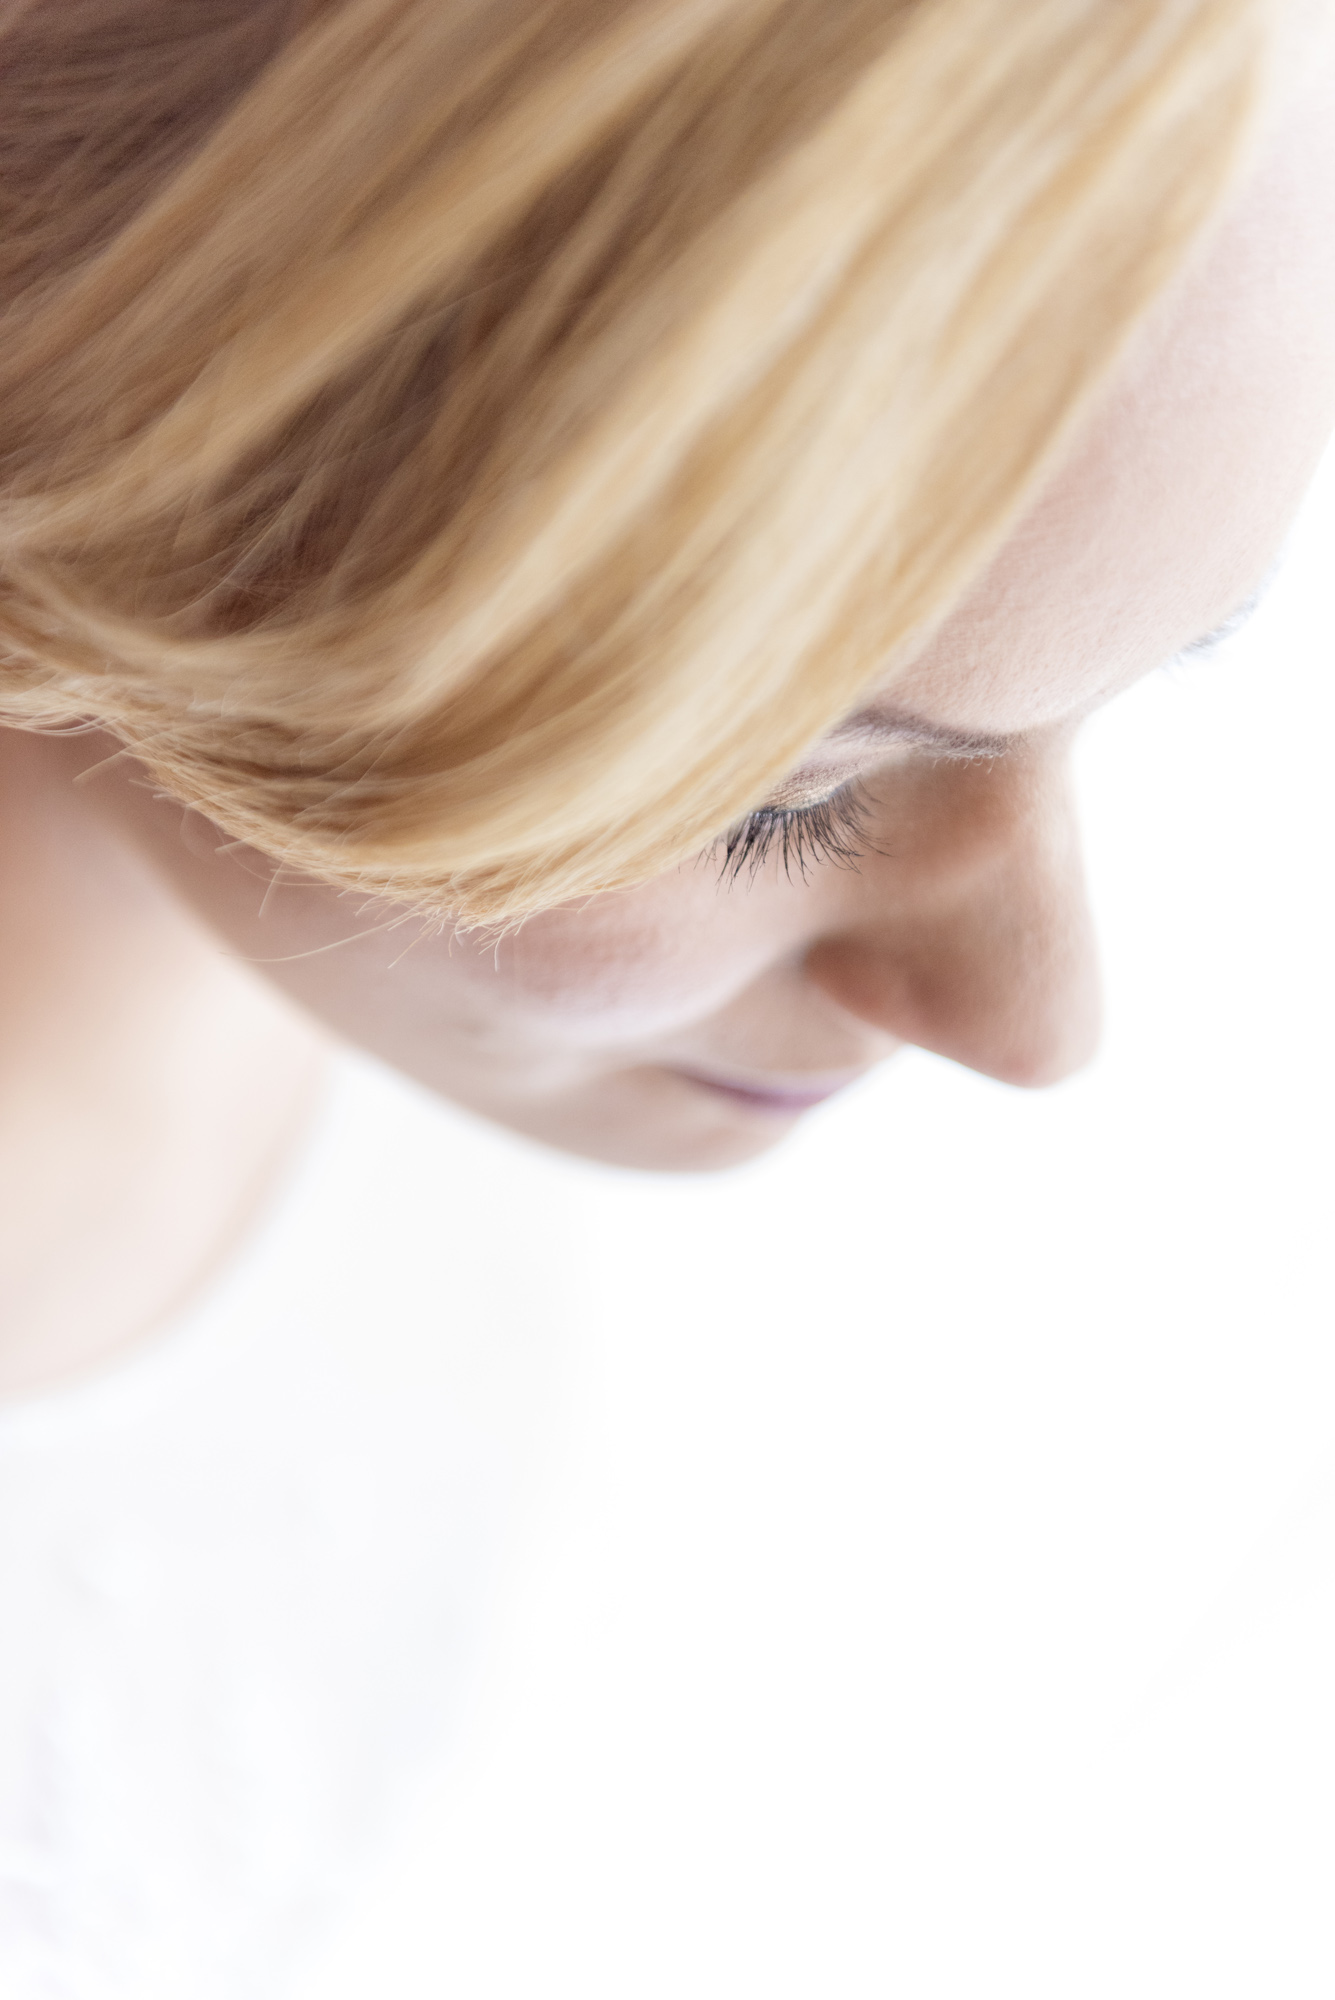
[(471, 448)]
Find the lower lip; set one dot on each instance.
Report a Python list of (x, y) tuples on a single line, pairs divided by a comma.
[(778, 1103)]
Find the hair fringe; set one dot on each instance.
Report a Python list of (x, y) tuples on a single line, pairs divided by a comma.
[(470, 452)]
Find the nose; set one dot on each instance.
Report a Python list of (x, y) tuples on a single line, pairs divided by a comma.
[(968, 932)]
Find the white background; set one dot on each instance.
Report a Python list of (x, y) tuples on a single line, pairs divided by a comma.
[(931, 1588)]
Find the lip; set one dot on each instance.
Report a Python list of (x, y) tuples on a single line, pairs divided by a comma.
[(785, 1097)]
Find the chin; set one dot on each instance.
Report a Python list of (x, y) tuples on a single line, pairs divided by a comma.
[(651, 1120)]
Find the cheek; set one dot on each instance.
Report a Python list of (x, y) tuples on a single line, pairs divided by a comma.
[(643, 962)]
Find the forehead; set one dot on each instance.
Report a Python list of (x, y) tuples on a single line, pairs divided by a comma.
[(1176, 496)]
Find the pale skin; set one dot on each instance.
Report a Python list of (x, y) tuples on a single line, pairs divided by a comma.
[(165, 1020)]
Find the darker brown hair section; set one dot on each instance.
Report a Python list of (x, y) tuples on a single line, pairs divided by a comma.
[(100, 100)]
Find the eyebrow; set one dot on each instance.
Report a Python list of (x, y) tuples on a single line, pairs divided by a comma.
[(893, 725)]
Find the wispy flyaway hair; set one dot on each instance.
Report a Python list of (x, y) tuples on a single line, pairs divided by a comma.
[(471, 448)]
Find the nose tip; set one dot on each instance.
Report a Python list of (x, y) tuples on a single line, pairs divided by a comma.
[(986, 953), (1049, 1045), (1031, 1018)]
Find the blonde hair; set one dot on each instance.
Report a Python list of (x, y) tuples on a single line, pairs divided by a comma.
[(470, 448)]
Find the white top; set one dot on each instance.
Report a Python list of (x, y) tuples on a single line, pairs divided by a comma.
[(243, 1569)]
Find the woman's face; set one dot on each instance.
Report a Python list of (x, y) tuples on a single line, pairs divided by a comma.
[(686, 1024)]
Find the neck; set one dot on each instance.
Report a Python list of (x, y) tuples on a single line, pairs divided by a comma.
[(150, 1086)]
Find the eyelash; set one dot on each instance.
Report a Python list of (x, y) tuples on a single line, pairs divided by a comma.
[(834, 830)]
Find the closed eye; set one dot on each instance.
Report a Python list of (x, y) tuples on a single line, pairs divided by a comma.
[(1209, 642), (833, 830)]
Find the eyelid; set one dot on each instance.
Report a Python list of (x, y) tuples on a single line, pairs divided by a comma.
[(810, 786), (838, 765), (796, 796)]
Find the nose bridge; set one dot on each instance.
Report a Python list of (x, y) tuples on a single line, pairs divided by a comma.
[(971, 935)]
